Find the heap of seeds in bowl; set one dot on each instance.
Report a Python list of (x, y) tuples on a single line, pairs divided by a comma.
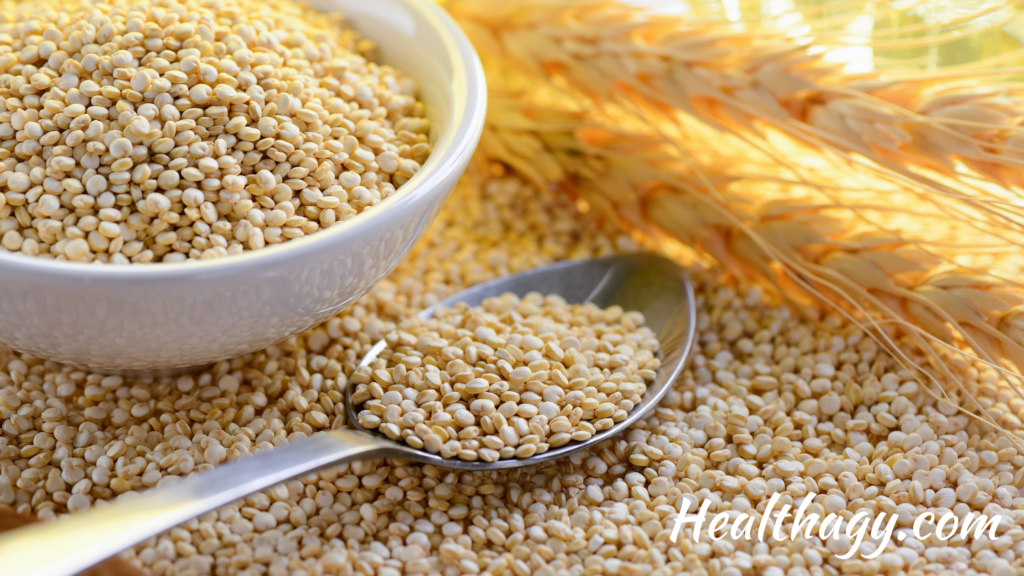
[(161, 131), (509, 378)]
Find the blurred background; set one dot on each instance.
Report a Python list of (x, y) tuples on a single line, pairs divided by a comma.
[(905, 36)]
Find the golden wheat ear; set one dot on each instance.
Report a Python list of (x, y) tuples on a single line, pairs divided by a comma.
[(897, 199)]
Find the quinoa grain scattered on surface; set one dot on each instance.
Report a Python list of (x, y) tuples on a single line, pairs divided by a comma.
[(772, 402), (135, 132)]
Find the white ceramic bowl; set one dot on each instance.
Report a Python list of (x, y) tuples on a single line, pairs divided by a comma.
[(167, 316)]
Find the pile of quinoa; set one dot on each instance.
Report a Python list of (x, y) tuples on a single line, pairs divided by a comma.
[(510, 378), (163, 131), (774, 401)]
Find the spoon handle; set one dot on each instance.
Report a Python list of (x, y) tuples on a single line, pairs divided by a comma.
[(67, 546)]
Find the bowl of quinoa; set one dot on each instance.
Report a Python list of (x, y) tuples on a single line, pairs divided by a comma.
[(183, 182)]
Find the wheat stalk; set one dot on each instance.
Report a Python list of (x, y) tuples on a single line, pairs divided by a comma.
[(897, 198)]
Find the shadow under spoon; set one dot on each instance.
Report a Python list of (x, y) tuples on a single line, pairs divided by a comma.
[(652, 285)]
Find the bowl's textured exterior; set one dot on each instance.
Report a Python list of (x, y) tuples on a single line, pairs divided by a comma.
[(167, 316)]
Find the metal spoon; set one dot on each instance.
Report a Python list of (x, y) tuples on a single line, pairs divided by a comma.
[(650, 284)]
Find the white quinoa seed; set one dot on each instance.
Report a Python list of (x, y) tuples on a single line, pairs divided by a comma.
[(181, 125), (509, 378), (745, 421)]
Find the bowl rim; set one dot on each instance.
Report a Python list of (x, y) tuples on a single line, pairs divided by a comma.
[(454, 149)]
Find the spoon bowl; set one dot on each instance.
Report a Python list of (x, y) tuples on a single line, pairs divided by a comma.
[(652, 285)]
